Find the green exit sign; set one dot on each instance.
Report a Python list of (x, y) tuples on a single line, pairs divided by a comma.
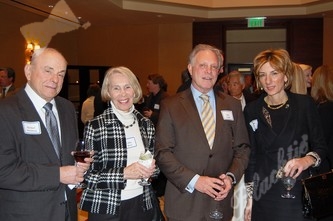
[(256, 22)]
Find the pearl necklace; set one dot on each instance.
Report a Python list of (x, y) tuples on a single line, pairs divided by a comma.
[(128, 126)]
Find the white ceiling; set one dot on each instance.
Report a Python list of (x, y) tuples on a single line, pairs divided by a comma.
[(109, 12)]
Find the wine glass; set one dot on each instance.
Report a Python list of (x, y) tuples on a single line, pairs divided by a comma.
[(81, 152), (216, 212), (288, 183), (145, 159)]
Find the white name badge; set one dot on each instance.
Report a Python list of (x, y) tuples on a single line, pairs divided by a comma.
[(227, 115), (130, 142), (254, 124), (156, 106), (31, 128)]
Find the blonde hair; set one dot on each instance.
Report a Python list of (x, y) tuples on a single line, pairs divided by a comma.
[(298, 84), (322, 84), (131, 77), (305, 67), (279, 59)]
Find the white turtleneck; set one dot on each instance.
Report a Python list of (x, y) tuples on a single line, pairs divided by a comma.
[(134, 148)]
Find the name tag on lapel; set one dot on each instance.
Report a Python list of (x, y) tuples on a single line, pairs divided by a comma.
[(31, 128), (227, 115)]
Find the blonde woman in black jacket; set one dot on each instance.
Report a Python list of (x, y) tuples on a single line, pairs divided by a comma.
[(285, 132)]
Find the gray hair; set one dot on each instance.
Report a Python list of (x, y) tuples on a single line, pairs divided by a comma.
[(203, 47)]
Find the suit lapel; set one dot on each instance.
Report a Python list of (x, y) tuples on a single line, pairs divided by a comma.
[(192, 113), (28, 113), (220, 105)]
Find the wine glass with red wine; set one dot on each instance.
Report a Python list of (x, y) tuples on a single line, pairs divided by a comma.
[(81, 152)]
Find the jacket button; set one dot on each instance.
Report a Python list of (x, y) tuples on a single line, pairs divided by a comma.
[(210, 155)]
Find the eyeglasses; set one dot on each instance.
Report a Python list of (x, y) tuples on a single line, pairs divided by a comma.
[(214, 68)]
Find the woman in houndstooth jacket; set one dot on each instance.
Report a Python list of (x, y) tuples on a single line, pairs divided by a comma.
[(118, 136)]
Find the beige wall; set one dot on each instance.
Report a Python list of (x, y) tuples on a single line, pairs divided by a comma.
[(328, 43), (144, 49), (175, 44)]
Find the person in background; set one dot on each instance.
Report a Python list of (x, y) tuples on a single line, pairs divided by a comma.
[(118, 136), (298, 82), (236, 85), (307, 71), (322, 93), (157, 88), (7, 79), (186, 81), (99, 105), (249, 83), (35, 173), (222, 84), (201, 171), (286, 140), (88, 109)]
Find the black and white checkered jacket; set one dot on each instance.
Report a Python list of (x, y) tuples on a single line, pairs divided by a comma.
[(105, 179)]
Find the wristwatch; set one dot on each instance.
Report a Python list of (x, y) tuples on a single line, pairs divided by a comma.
[(232, 176)]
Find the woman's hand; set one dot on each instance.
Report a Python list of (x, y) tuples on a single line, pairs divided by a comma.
[(248, 210), (138, 171), (295, 167), (147, 113)]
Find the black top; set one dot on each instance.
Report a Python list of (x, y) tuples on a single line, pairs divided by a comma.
[(326, 115), (277, 136)]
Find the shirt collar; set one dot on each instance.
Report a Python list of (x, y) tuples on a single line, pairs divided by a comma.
[(37, 100), (196, 93)]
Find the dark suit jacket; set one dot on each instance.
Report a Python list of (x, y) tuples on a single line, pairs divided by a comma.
[(325, 112), (11, 91), (301, 133), (182, 151), (29, 167)]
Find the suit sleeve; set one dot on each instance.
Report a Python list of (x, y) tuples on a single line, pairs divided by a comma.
[(24, 166), (241, 145), (317, 139), (251, 131), (174, 170)]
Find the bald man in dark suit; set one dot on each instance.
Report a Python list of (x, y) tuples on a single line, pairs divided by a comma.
[(34, 175)]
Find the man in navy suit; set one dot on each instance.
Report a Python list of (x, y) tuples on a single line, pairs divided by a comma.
[(34, 177)]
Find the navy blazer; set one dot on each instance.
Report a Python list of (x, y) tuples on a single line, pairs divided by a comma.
[(30, 187)]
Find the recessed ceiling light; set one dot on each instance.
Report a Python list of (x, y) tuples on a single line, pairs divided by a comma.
[(50, 6)]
